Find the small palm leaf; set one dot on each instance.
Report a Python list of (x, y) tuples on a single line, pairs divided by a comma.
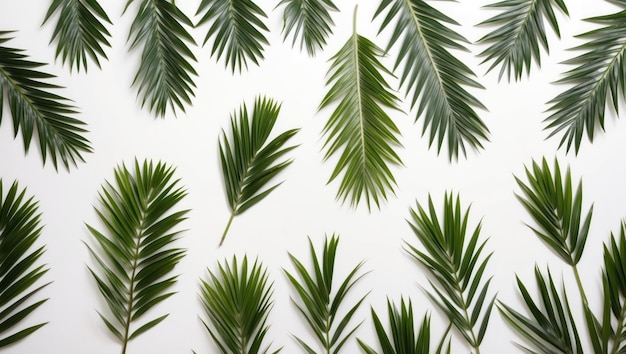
[(515, 43), (165, 75), (238, 28), (433, 75), (35, 108), (309, 21), (359, 125), (248, 162), (237, 301), (456, 266), (317, 303), (20, 269), (80, 31), (134, 255)]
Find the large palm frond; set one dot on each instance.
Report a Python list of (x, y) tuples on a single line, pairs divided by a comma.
[(309, 21), (36, 108), (359, 125), (432, 75), (165, 75), (20, 267), (249, 162), (134, 254), (80, 31)]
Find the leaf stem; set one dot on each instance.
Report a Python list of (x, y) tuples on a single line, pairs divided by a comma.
[(230, 221), (131, 294), (583, 296)]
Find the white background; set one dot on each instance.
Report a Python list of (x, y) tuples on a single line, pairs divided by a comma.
[(304, 205)]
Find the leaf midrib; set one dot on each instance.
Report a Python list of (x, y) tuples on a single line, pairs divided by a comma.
[(355, 42)]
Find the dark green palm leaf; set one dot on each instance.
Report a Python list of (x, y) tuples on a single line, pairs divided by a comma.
[(319, 304), (80, 31), (432, 75), (165, 75), (134, 254), (20, 268), (359, 125), (36, 109), (249, 162), (309, 21)]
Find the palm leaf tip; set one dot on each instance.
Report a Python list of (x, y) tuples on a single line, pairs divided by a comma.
[(308, 21)]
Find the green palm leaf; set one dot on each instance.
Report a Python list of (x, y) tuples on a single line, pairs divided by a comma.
[(516, 42), (134, 254), (36, 108), (237, 301), (165, 75), (249, 162), (433, 75), (456, 265), (20, 269), (80, 31), (359, 125), (318, 304), (238, 30), (308, 21)]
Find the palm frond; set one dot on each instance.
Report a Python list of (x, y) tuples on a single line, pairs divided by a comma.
[(597, 80), (165, 75), (520, 32), (80, 31), (308, 21), (317, 301), (35, 108), (432, 75), (249, 162), (238, 30), (20, 266), (237, 301), (359, 125), (135, 254), (456, 266)]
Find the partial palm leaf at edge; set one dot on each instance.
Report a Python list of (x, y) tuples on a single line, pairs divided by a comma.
[(309, 21)]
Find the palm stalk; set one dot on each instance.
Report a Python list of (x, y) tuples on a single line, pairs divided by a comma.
[(308, 21)]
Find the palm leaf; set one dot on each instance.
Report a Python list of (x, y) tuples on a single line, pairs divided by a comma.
[(165, 75), (35, 108), (238, 30), (20, 266), (308, 21), (237, 301), (319, 304), (134, 254), (359, 125), (80, 31), (433, 75), (249, 162)]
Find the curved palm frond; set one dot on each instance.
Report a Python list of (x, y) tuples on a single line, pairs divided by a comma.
[(238, 28), (80, 31), (237, 301), (432, 75), (249, 162), (134, 255), (20, 267), (165, 75), (359, 125), (36, 108), (309, 21), (317, 303), (516, 42)]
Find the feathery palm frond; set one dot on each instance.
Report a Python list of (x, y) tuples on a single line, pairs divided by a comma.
[(456, 266), (20, 269), (35, 108), (80, 31), (433, 75), (238, 29), (317, 303), (165, 75), (309, 21), (359, 125), (237, 301), (135, 256), (515, 43), (248, 162)]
